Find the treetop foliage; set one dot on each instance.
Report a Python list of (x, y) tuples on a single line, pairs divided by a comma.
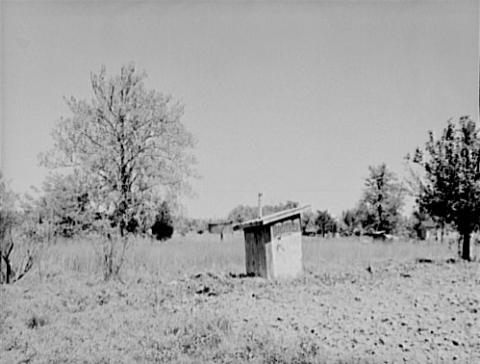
[(382, 200), (325, 223), (128, 144), (350, 222), (450, 188)]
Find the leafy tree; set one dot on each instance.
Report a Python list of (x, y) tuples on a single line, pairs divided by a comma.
[(382, 200), (308, 222), (162, 229), (130, 147), (450, 187), (325, 223), (418, 224), (271, 209), (350, 222), (242, 213), (184, 225), (63, 204)]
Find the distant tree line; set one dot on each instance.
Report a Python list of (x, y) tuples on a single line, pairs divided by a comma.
[(65, 206), (242, 213), (379, 209), (319, 223), (445, 180)]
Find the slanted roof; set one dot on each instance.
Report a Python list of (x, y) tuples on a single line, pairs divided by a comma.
[(270, 219)]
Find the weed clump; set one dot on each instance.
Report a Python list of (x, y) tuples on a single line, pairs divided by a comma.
[(35, 321)]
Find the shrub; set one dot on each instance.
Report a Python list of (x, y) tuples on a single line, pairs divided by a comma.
[(162, 228)]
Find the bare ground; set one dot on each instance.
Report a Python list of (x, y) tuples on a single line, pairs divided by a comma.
[(393, 312)]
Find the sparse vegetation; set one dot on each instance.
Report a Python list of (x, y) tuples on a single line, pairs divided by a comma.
[(16, 257), (185, 301)]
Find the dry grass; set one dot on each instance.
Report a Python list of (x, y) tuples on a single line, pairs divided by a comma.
[(178, 303), (183, 256), (177, 257)]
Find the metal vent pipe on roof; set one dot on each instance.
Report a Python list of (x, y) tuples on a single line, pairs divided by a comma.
[(260, 204)]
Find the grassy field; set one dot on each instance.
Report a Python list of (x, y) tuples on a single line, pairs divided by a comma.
[(184, 301), (183, 256)]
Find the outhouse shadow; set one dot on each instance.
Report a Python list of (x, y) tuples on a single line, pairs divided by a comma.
[(241, 275)]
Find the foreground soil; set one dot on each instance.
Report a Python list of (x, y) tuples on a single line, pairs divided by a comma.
[(425, 312)]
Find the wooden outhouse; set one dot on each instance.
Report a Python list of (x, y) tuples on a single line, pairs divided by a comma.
[(273, 245)]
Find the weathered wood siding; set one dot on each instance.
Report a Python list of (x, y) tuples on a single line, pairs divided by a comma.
[(256, 240), (286, 246)]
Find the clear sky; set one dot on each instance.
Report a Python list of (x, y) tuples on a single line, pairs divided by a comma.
[(292, 99)]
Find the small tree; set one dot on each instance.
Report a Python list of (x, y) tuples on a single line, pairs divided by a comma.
[(419, 223), (242, 213), (131, 148), (350, 222), (63, 205), (382, 200), (325, 223), (10, 272), (450, 187), (308, 222)]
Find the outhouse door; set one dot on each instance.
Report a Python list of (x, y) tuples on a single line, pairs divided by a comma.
[(255, 240)]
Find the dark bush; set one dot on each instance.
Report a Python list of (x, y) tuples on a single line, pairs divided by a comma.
[(133, 225), (162, 229)]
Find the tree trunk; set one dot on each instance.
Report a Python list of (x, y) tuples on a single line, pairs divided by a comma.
[(465, 251), (8, 270), (108, 258)]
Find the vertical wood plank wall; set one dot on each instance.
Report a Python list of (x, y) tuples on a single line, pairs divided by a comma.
[(263, 238), (249, 252), (256, 240)]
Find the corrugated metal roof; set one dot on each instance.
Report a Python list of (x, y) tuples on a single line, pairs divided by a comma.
[(269, 219)]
